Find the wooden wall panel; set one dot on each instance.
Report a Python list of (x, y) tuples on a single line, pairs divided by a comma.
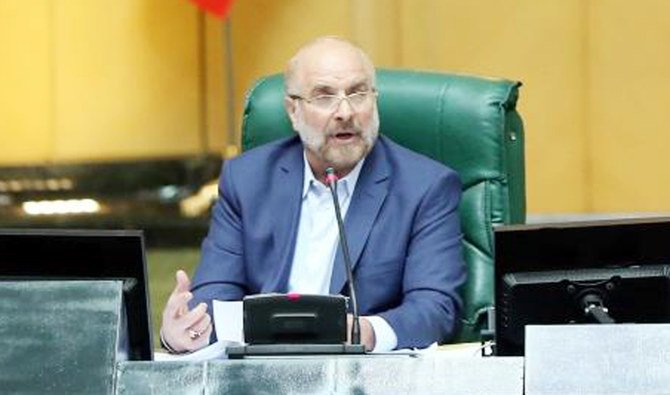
[(25, 88)]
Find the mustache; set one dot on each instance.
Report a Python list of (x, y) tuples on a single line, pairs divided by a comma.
[(350, 129)]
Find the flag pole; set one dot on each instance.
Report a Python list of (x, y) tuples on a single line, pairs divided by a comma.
[(202, 82), (233, 144), (221, 9)]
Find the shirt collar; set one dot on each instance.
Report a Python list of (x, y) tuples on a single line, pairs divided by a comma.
[(348, 183)]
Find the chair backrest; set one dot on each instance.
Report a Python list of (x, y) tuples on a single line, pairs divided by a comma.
[(468, 123)]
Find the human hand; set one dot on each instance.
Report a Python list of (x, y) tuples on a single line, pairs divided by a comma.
[(181, 329), (367, 332)]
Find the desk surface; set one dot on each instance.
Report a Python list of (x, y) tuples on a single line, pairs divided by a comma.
[(426, 374)]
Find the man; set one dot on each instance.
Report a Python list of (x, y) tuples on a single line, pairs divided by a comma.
[(273, 227)]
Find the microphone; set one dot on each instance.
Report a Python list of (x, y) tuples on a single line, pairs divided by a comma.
[(331, 181)]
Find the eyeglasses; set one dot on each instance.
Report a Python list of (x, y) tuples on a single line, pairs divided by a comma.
[(329, 103)]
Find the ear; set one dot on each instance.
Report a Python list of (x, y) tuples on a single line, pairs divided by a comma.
[(291, 106)]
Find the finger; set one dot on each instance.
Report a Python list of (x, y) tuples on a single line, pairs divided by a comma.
[(182, 307), (207, 333), (202, 324), (189, 319), (202, 340), (177, 304), (368, 337), (183, 282)]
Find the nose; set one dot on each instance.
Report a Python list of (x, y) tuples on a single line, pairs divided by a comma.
[(344, 111)]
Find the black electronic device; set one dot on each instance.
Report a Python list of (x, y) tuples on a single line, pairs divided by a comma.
[(294, 324), (59, 254), (610, 271), (294, 318)]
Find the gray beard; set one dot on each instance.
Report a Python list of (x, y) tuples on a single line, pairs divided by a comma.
[(344, 156)]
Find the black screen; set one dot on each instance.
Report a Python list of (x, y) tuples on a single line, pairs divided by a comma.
[(39, 254), (544, 274)]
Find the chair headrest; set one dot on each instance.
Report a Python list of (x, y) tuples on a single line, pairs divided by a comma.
[(436, 114)]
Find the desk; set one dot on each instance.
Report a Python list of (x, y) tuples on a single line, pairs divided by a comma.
[(427, 374)]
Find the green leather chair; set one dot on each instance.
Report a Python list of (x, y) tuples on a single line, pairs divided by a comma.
[(468, 123)]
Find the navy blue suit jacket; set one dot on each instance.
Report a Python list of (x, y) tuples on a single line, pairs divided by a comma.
[(402, 227)]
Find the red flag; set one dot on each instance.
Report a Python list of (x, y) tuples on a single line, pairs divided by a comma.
[(220, 8)]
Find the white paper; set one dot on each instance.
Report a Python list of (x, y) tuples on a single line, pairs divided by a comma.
[(228, 321), (408, 351), (213, 351), (463, 350)]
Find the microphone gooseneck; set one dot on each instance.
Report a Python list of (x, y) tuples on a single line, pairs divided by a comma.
[(331, 181)]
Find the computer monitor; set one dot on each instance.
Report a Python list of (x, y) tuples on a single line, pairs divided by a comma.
[(58, 254), (610, 271)]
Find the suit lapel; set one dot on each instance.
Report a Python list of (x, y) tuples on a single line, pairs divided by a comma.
[(371, 190), (287, 202)]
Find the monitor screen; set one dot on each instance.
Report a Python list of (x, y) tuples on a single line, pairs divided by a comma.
[(53, 254), (588, 272)]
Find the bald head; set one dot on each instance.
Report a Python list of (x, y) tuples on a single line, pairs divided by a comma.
[(323, 53), (331, 101)]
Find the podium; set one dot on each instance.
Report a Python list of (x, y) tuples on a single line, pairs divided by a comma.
[(387, 374), (65, 336), (59, 337), (597, 359)]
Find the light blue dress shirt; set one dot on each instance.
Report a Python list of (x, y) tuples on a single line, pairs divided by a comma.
[(317, 242)]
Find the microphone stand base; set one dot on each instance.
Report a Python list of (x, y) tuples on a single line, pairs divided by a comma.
[(257, 350)]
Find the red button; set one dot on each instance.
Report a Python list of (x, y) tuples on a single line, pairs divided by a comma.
[(293, 296)]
